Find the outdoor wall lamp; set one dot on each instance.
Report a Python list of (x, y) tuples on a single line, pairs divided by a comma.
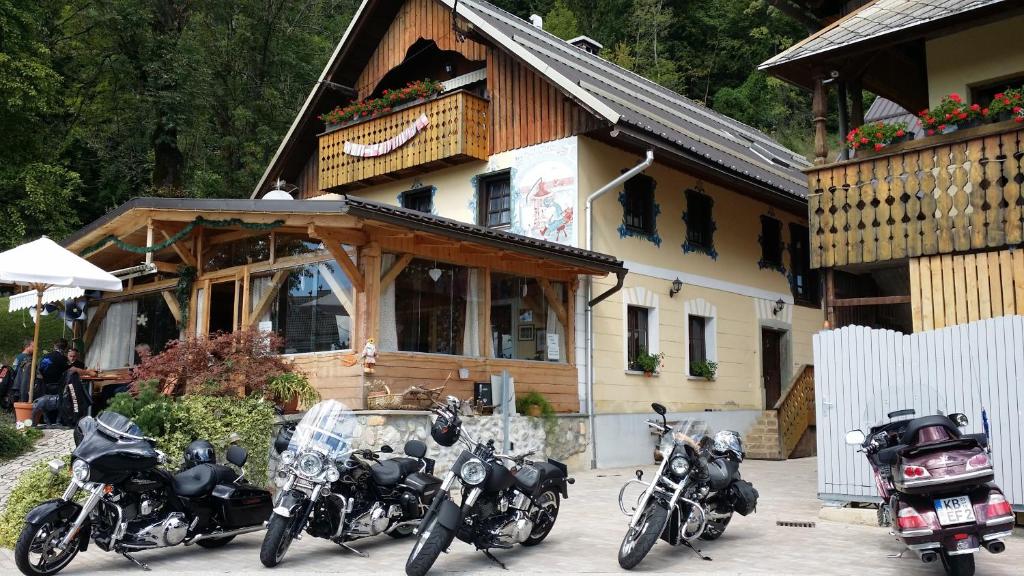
[(677, 285), (779, 305)]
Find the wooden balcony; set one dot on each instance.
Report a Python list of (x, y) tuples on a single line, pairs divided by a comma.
[(939, 195), (456, 131)]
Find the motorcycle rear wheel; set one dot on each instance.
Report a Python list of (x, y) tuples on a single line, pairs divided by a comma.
[(959, 565), (640, 539), (38, 539), (432, 541), (548, 501), (276, 542)]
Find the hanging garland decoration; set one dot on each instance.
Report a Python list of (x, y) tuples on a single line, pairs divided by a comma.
[(183, 292), (199, 221)]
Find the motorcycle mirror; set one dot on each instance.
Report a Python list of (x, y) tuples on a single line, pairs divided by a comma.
[(386, 449), (639, 474), (855, 438), (661, 410), (959, 419)]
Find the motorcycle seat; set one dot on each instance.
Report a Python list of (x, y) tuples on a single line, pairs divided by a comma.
[(196, 481), (392, 471), (909, 436), (722, 472)]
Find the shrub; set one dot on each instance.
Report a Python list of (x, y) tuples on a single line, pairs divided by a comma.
[(704, 368), (147, 407), (35, 486), (14, 442), (225, 364)]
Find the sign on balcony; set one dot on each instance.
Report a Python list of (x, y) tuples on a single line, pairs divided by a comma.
[(393, 143)]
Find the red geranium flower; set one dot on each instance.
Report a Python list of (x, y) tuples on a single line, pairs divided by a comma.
[(931, 132), (879, 146), (955, 97), (976, 107), (863, 140), (900, 133)]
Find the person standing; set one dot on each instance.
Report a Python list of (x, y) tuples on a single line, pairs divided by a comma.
[(52, 367)]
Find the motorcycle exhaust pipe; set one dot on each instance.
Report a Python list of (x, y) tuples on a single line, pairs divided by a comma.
[(929, 557), (995, 546), (225, 534)]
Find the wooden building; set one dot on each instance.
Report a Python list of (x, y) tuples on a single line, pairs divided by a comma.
[(922, 234), (465, 230)]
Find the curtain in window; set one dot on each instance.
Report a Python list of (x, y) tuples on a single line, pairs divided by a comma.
[(554, 326), (201, 320), (387, 340), (260, 285), (471, 334), (114, 344)]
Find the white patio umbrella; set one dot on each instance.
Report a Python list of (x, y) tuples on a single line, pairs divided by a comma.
[(44, 264)]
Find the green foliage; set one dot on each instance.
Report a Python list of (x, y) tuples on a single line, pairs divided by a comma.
[(561, 21), (388, 100), (534, 398), (33, 487), (14, 442), (647, 362), (148, 408), (292, 385), (704, 368), (16, 327)]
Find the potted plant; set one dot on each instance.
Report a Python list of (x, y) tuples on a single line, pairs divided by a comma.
[(649, 363), (291, 390), (950, 115), (534, 404), (876, 136), (1007, 105), (704, 368)]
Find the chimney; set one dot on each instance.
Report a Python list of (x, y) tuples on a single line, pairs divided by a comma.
[(537, 21), (586, 44)]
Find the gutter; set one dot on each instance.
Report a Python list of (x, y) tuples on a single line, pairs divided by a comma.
[(592, 301)]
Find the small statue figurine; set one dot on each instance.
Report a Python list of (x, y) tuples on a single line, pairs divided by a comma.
[(369, 356)]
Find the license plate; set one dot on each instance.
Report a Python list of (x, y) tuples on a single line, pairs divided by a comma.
[(956, 510)]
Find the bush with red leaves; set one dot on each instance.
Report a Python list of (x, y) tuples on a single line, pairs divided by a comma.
[(223, 364)]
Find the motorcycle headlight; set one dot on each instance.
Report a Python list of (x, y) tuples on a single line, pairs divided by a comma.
[(680, 466), (80, 470), (333, 474), (287, 457), (310, 464), (473, 472)]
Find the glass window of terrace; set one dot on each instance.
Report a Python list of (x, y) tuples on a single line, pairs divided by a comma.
[(311, 309), (430, 308), (523, 324)]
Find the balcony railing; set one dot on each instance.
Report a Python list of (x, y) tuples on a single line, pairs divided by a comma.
[(943, 194), (455, 131)]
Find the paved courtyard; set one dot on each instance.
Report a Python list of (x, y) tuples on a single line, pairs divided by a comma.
[(586, 540)]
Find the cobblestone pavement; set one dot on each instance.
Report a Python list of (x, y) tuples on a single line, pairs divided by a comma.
[(586, 539), (53, 444)]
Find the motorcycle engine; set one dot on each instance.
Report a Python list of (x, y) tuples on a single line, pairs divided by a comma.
[(168, 531), (513, 524), (373, 521)]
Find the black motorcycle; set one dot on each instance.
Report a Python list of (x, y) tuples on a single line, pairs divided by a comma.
[(133, 504), (694, 493), (342, 494), (506, 500)]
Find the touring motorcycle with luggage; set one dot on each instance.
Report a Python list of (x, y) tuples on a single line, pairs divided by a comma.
[(334, 491), (937, 489), (693, 494), (132, 503), (505, 499)]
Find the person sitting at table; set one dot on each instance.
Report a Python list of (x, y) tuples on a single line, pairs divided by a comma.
[(76, 364)]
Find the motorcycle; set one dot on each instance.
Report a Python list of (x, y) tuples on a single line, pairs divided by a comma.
[(937, 483), (132, 503), (694, 493), (342, 494), (506, 499)]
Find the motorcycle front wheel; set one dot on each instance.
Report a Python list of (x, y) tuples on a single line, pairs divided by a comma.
[(36, 552), (277, 540), (959, 565), (432, 541), (641, 538)]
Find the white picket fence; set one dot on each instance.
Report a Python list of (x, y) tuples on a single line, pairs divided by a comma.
[(861, 372)]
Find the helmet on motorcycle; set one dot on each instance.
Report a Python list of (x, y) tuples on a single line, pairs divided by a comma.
[(199, 452), (728, 442), (446, 427)]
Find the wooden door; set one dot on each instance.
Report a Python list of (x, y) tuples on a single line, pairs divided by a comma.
[(771, 366)]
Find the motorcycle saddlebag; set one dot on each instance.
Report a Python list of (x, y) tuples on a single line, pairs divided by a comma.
[(743, 496), (423, 485), (242, 506)]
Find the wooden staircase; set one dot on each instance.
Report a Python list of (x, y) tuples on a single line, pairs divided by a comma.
[(787, 431)]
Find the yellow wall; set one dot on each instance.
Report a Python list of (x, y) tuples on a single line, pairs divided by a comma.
[(975, 56)]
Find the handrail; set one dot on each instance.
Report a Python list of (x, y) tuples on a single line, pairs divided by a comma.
[(796, 409), (789, 387)]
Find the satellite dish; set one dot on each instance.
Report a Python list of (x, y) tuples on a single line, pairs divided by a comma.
[(282, 191)]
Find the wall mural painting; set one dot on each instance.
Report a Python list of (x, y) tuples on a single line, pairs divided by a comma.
[(545, 191)]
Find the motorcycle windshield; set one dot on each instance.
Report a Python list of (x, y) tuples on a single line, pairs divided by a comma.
[(691, 432), (894, 404), (329, 428)]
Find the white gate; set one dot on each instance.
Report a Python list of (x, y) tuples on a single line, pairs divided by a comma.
[(965, 368)]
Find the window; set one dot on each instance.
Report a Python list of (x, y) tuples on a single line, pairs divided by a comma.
[(154, 323), (771, 243), (430, 307), (699, 226), (495, 195), (236, 252), (310, 309), (420, 199), (698, 331), (804, 280), (638, 204), (983, 94), (524, 325), (636, 334)]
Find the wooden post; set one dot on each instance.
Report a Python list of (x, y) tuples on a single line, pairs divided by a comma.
[(819, 112), (570, 323), (856, 104), (485, 313), (149, 241), (40, 288), (830, 298), (369, 300)]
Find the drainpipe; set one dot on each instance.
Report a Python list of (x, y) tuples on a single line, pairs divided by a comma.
[(591, 301)]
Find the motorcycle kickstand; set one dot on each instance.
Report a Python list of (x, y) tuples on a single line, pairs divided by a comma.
[(697, 552), (136, 561), (898, 556), (493, 559), (353, 550)]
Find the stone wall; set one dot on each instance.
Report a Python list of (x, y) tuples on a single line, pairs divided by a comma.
[(565, 439)]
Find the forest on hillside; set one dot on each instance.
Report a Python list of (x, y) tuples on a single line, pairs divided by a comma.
[(105, 100)]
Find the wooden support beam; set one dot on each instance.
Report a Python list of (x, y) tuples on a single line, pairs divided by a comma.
[(264, 304), (346, 263), (830, 297), (351, 236), (553, 301), (136, 289), (871, 301), (186, 255), (369, 258), (94, 323), (172, 305), (486, 345), (819, 113), (570, 324), (246, 295), (165, 267), (394, 271), (233, 236)]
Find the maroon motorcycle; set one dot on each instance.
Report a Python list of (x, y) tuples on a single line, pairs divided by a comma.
[(937, 488)]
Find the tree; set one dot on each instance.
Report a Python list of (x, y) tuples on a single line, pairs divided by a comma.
[(561, 21)]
